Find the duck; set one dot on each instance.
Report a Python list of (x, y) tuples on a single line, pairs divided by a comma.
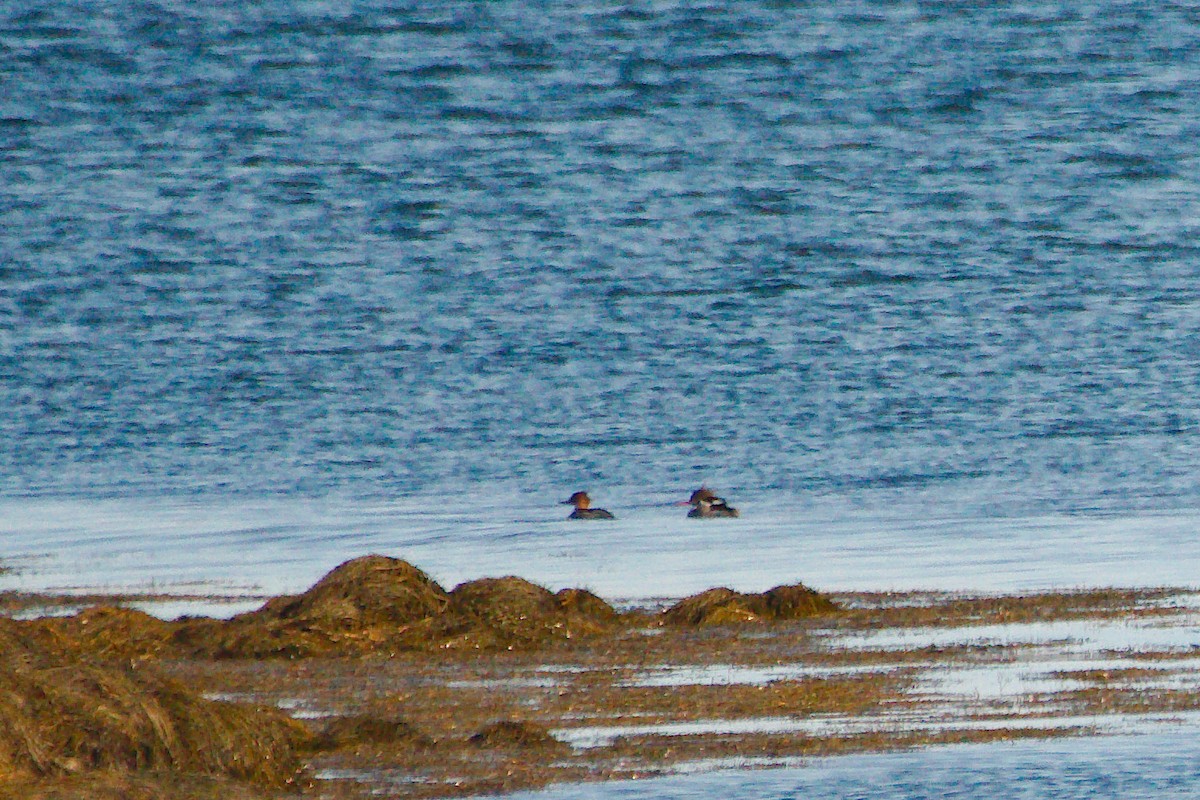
[(705, 503), (583, 508)]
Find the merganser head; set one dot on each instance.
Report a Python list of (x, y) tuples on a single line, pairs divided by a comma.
[(580, 500)]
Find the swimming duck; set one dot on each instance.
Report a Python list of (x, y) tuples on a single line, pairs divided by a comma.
[(705, 503), (583, 509)]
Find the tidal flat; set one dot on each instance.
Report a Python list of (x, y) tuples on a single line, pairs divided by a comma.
[(379, 682)]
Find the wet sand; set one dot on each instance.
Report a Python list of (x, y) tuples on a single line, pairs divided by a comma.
[(499, 685)]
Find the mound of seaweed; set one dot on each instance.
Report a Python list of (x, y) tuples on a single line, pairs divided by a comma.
[(117, 633), (365, 592), (363, 605), (355, 730), (64, 713), (376, 604), (517, 734), (511, 613), (723, 606)]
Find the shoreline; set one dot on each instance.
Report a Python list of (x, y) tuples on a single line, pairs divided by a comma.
[(498, 685)]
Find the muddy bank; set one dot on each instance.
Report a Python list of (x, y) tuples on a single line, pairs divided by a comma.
[(395, 685), (86, 709)]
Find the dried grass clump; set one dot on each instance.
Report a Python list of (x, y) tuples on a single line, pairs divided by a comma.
[(112, 632), (364, 605), (585, 604), (64, 713), (127, 786), (519, 734), (364, 592), (723, 606), (379, 604), (795, 601), (351, 731), (512, 613)]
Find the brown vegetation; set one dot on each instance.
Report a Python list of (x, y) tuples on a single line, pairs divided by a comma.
[(519, 734), (377, 604), (384, 605), (342, 732), (65, 712), (912, 609), (724, 606), (464, 691), (84, 704)]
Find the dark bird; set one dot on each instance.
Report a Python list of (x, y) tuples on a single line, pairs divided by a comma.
[(705, 503), (583, 508)]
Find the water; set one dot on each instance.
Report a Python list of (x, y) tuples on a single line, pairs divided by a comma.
[(788, 248), (1096, 769), (913, 284)]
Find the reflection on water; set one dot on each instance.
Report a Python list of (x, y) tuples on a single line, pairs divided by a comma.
[(1071, 636)]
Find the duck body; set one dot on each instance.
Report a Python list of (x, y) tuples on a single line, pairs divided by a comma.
[(590, 513), (711, 509), (706, 505), (583, 508)]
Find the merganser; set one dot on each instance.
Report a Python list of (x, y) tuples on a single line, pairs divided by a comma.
[(705, 503), (583, 509)]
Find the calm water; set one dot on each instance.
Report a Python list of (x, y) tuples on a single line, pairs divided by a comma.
[(915, 284)]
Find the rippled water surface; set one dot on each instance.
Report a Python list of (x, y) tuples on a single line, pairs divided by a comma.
[(795, 249)]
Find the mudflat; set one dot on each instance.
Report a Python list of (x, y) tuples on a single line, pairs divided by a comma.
[(378, 681)]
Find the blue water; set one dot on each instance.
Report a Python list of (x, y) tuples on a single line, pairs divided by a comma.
[(792, 249), (1108, 768)]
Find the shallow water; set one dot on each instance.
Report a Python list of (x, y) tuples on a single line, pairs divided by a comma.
[(1019, 678), (276, 546), (1161, 765), (282, 545)]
